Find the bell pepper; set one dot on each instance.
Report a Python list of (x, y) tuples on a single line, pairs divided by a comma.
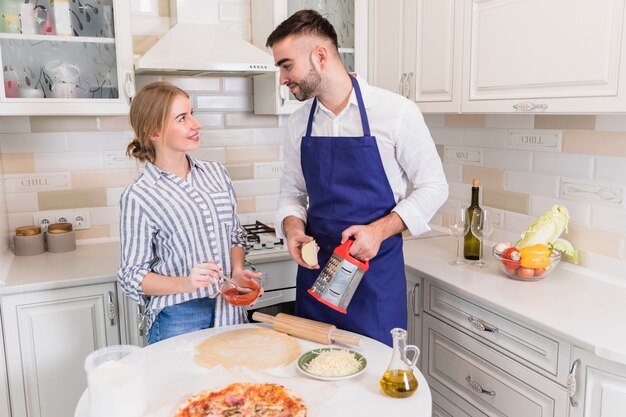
[(536, 256)]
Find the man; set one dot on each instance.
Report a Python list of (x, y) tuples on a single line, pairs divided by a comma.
[(351, 153)]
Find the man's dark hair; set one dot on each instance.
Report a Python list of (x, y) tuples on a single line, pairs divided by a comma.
[(304, 22)]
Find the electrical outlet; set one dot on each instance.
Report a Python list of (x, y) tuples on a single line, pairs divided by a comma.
[(80, 220), (43, 221), (62, 218)]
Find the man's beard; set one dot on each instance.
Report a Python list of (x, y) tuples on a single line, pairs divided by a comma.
[(309, 85)]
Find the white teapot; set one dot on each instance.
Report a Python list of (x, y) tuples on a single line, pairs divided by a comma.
[(65, 79)]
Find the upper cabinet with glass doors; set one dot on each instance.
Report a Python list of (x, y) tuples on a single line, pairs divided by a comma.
[(348, 17), (62, 57)]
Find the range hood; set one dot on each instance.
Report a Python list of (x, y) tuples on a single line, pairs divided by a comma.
[(198, 45)]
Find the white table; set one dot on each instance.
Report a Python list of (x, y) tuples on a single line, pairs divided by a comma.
[(172, 375)]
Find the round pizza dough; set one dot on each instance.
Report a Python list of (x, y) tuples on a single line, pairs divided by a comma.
[(253, 348)]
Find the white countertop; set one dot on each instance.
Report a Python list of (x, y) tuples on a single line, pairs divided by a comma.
[(589, 312), (172, 360), (581, 309)]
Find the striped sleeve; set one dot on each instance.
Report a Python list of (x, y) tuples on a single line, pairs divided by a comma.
[(136, 247)]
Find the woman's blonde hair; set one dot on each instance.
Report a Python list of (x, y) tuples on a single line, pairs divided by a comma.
[(149, 113)]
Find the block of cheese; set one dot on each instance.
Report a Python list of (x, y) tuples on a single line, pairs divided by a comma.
[(309, 253)]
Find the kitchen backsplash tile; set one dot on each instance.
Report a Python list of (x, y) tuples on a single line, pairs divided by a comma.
[(240, 171), (250, 120), (14, 124), (579, 166), (508, 159), (63, 124), (57, 200), (610, 169), (103, 178), (245, 205), (465, 120), (490, 177), (243, 154), (113, 123), (505, 200), (94, 232), (565, 122), (595, 143), (611, 122), (63, 161), (580, 213), (597, 241), (531, 183), (15, 163), (510, 121)]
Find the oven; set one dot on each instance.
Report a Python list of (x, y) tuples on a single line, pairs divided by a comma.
[(267, 254)]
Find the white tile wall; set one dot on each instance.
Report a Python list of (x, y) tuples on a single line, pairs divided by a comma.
[(577, 166), (486, 138), (535, 184), (611, 169), (33, 142), (579, 213), (64, 161), (510, 121), (252, 188), (508, 159)]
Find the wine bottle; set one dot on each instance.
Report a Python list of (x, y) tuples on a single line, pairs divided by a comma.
[(471, 244)]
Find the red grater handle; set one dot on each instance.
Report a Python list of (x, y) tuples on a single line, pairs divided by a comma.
[(343, 250)]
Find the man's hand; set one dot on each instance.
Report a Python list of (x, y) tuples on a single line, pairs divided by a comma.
[(368, 238), (294, 230)]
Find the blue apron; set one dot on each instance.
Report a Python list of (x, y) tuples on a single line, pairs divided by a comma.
[(347, 185)]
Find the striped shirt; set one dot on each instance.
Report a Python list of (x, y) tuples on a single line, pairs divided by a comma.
[(168, 225)]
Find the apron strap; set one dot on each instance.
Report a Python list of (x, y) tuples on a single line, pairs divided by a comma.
[(359, 99)]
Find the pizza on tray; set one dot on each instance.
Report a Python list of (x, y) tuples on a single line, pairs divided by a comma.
[(244, 399)]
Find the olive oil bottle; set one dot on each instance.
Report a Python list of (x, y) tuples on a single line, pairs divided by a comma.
[(471, 244), (399, 380)]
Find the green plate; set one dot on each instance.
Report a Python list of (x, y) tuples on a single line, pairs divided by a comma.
[(307, 357)]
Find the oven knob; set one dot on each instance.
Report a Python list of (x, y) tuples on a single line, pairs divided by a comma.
[(269, 245), (257, 246)]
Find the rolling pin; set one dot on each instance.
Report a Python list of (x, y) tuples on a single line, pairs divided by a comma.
[(307, 329)]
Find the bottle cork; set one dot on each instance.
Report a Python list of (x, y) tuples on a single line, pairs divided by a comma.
[(474, 183)]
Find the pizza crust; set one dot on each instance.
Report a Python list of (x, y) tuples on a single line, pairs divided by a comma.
[(252, 348)]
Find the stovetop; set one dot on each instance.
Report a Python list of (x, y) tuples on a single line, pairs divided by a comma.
[(262, 238)]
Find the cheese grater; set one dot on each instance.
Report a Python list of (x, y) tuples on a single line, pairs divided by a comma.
[(339, 279)]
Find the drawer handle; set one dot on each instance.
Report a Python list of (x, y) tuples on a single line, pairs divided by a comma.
[(571, 383), (482, 325), (528, 106), (478, 388)]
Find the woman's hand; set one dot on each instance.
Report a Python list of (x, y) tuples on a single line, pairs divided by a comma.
[(248, 279), (203, 275)]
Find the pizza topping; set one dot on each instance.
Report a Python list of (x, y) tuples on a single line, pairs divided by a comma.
[(334, 362), (244, 400)]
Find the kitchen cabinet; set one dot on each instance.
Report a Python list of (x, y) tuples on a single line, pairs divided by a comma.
[(65, 57), (486, 363), (416, 51), (493, 56), (349, 18), (133, 329), (4, 389), (599, 388), (48, 335), (414, 309), (556, 56)]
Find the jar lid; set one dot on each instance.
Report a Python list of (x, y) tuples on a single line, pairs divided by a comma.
[(27, 230), (60, 228)]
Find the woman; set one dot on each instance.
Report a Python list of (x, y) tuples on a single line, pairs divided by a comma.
[(178, 226)]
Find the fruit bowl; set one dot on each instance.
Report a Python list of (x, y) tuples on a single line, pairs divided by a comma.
[(514, 270)]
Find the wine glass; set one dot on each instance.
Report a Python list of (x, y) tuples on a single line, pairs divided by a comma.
[(459, 226), (482, 227)]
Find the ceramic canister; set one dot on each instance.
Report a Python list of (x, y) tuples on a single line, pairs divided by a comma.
[(28, 241), (61, 238)]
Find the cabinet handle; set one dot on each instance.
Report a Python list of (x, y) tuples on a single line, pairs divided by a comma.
[(401, 85), (571, 383), (141, 321), (111, 308), (408, 84), (483, 326), (130, 87), (528, 106), (414, 301), (478, 388)]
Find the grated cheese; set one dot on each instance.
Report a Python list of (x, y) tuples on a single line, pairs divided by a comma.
[(333, 363)]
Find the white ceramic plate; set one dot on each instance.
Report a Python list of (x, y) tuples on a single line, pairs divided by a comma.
[(307, 357)]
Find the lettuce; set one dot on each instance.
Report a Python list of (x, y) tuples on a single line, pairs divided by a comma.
[(547, 229)]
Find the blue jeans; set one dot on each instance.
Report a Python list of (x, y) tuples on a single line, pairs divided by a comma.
[(182, 318)]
